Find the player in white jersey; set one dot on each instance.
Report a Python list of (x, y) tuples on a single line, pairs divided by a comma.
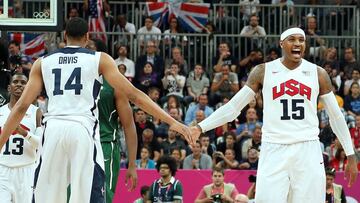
[(18, 156), (291, 166), (71, 149)]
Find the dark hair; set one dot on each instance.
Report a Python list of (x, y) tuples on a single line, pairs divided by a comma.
[(144, 189), (168, 160), (330, 171), (100, 45), (230, 133), (16, 43), (151, 89), (149, 17), (352, 84), (18, 74), (76, 27), (217, 169)]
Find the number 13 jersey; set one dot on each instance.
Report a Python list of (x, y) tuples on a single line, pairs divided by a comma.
[(72, 83), (17, 151), (290, 103)]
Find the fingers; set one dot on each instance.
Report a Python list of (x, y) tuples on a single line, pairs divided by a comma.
[(134, 183)]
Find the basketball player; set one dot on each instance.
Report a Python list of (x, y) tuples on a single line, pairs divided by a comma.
[(71, 149), (17, 157), (291, 165), (113, 105)]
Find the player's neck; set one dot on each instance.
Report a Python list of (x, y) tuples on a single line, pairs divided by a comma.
[(12, 102), (290, 64), (165, 180)]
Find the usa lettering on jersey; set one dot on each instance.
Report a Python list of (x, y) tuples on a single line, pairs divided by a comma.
[(291, 87)]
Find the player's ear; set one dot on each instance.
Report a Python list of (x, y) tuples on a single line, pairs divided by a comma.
[(281, 43), (65, 36)]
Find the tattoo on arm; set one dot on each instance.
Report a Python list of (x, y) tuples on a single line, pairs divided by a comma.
[(256, 77)]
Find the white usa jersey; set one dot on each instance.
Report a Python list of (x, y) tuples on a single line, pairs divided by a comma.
[(72, 83), (17, 151), (290, 103)]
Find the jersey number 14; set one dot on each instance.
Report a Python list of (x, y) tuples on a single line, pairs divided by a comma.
[(73, 82)]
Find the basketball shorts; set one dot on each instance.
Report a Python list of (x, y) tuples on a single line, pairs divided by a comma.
[(70, 155), (291, 173), (16, 184)]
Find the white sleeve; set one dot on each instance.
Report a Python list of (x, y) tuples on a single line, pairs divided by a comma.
[(34, 139), (337, 122), (229, 111)]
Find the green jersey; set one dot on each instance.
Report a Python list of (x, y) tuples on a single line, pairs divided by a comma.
[(108, 117)]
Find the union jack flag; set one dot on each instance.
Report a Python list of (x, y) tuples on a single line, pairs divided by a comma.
[(159, 12), (32, 45), (192, 17), (96, 19)]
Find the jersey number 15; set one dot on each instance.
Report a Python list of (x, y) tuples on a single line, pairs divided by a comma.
[(73, 82), (297, 111)]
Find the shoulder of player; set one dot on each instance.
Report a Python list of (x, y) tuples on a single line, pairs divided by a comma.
[(257, 73)]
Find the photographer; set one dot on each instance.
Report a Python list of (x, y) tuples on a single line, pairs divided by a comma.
[(218, 191)]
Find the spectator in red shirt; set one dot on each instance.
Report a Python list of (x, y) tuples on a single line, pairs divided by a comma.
[(355, 133)]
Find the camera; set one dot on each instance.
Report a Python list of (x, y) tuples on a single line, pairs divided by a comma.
[(216, 198), (252, 178), (16, 60)]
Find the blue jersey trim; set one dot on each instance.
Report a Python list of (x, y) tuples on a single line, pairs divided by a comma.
[(71, 50)]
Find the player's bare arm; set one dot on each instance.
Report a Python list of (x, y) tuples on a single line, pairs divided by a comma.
[(256, 77), (338, 126), (31, 91), (108, 68), (127, 121)]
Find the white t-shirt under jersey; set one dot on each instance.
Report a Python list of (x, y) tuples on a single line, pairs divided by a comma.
[(18, 152), (290, 101)]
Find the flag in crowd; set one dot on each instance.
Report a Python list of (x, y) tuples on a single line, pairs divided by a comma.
[(32, 45), (192, 17), (97, 20)]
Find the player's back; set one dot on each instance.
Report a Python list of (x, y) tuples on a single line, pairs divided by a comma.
[(290, 103), (72, 83)]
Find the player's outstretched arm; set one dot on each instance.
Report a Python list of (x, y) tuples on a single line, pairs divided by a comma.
[(127, 121), (109, 70), (31, 91), (338, 124), (232, 109)]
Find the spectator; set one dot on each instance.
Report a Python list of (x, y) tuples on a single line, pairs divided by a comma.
[(176, 154), (249, 8), (167, 188), (173, 82), (355, 77), (225, 83), (339, 161), (150, 56), (253, 30), (228, 160), (330, 56), (151, 143), (122, 69), (147, 78), (224, 57), (254, 58), (253, 142), (154, 94), (246, 130), (149, 32), (227, 127), (315, 44), (333, 74), (206, 147), (255, 104), (122, 59), (273, 54), (251, 163), (171, 39), (173, 142), (177, 57), (162, 129), (145, 162), (355, 134), (229, 143), (173, 102), (197, 83), (14, 48), (200, 116), (333, 148), (141, 122), (125, 29), (144, 192), (352, 101), (197, 160), (218, 190), (334, 192), (349, 63), (201, 105)]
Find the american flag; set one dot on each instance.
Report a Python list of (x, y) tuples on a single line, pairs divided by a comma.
[(32, 45), (96, 19)]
